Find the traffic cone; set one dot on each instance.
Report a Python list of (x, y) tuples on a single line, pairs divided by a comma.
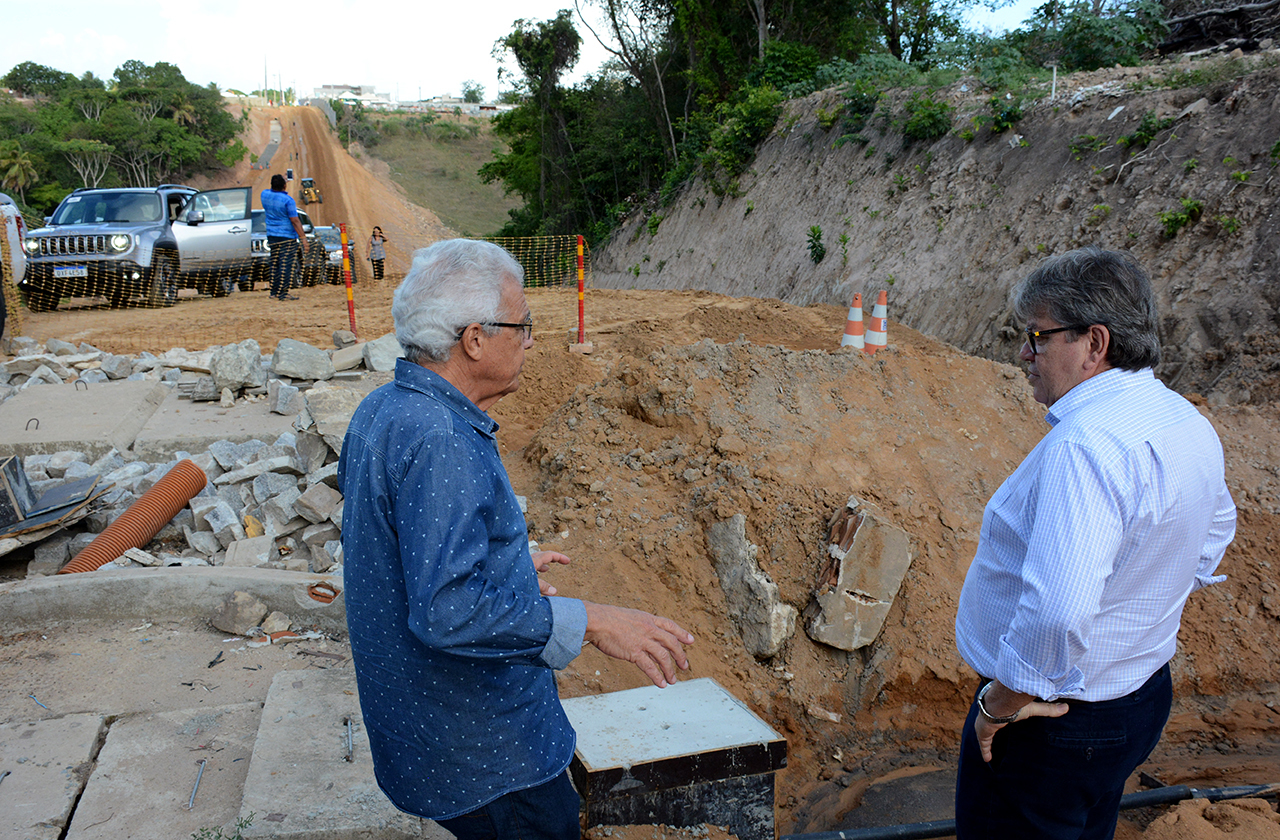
[(853, 326), (878, 328)]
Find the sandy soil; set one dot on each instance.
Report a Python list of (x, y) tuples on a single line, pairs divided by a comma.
[(746, 406)]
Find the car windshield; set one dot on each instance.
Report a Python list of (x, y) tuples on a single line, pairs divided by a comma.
[(330, 237), (91, 208)]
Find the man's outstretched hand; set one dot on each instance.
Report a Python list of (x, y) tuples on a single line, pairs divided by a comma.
[(542, 561), (652, 643)]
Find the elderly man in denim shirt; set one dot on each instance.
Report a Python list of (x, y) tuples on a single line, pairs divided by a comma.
[(454, 637)]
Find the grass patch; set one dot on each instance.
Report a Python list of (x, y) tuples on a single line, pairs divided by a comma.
[(437, 169)]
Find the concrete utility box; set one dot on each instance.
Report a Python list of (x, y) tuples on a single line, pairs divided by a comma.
[(680, 756)]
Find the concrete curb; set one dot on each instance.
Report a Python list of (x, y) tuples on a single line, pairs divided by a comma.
[(154, 594)]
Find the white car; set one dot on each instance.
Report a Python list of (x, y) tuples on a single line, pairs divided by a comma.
[(15, 228)]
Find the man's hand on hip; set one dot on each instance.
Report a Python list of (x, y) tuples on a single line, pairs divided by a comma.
[(1001, 701), (652, 643)]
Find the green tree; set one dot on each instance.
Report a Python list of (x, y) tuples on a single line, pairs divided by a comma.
[(31, 79), (90, 158), (472, 91), (544, 50), (1089, 34), (17, 169)]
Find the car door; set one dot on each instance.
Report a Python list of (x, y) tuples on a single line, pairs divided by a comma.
[(213, 231)]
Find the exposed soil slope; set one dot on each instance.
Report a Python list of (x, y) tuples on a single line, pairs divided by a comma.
[(948, 227)]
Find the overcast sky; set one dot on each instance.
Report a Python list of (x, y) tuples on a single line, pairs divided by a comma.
[(429, 52)]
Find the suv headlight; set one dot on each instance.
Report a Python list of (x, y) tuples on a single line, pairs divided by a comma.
[(119, 242), (31, 245)]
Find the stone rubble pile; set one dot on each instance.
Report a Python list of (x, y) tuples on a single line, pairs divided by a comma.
[(220, 373), (271, 504)]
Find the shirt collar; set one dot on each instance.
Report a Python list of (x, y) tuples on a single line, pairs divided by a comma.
[(1093, 388), (417, 378)]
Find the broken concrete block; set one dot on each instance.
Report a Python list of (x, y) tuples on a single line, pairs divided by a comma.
[(251, 551), (343, 338), (202, 541), (336, 516), (335, 550), (283, 398), (206, 462), (328, 474), (280, 506), (321, 559), (77, 470), (248, 452), (142, 558), (269, 485), (224, 523), (226, 398), (276, 622), (237, 366), (868, 557), (312, 451), (320, 533), (298, 360), (224, 452), (58, 347), (348, 358), (93, 376), (239, 613), (50, 556), (331, 410), (381, 353), (297, 563), (200, 506), (317, 502), (58, 462), (128, 475), (763, 619), (204, 390), (116, 367), (282, 463)]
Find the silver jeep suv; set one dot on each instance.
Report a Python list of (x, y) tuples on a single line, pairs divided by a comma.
[(139, 243)]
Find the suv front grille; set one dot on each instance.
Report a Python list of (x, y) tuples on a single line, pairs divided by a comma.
[(52, 246)]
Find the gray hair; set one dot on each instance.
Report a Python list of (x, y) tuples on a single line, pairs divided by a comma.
[(1092, 286), (450, 285)]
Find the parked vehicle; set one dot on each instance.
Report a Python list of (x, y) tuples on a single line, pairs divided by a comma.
[(307, 270), (139, 243), (331, 237)]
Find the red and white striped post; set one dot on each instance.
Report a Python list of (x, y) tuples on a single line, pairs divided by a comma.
[(346, 274)]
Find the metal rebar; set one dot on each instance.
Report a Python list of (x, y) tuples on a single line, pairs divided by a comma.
[(191, 803), (2, 775)]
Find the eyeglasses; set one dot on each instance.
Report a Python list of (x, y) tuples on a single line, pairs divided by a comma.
[(1032, 335), (527, 326)]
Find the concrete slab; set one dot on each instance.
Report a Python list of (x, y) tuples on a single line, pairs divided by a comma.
[(183, 425), (48, 418), (147, 769), (300, 785), (48, 762), (36, 603)]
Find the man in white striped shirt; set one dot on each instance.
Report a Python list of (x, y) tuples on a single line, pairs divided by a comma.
[(1088, 551)]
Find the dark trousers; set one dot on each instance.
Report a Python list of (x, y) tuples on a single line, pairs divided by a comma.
[(1059, 777), (377, 269), (284, 252), (546, 812)]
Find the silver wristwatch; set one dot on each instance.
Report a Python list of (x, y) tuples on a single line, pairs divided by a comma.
[(982, 708)]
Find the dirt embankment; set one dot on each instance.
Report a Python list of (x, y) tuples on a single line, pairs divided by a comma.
[(948, 227)]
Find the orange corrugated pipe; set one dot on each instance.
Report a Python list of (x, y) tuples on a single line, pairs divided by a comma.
[(143, 520)]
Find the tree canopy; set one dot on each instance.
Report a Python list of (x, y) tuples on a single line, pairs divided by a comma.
[(144, 126)]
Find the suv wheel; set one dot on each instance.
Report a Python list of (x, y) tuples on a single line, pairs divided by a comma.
[(41, 301), (162, 288)]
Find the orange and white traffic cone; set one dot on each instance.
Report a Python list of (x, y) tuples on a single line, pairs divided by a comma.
[(853, 326), (878, 328)]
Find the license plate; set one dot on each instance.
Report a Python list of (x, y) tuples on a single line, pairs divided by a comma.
[(71, 271)]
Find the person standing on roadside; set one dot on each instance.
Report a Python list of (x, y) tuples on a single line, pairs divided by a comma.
[(454, 639), (284, 232), (1087, 554), (377, 253)]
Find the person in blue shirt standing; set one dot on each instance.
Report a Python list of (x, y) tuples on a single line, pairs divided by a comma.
[(284, 232), (454, 638), (1087, 554)]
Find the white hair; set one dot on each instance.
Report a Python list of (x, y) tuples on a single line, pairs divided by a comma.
[(450, 285)]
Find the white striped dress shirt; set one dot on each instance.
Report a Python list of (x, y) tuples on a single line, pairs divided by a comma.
[(1089, 550)]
